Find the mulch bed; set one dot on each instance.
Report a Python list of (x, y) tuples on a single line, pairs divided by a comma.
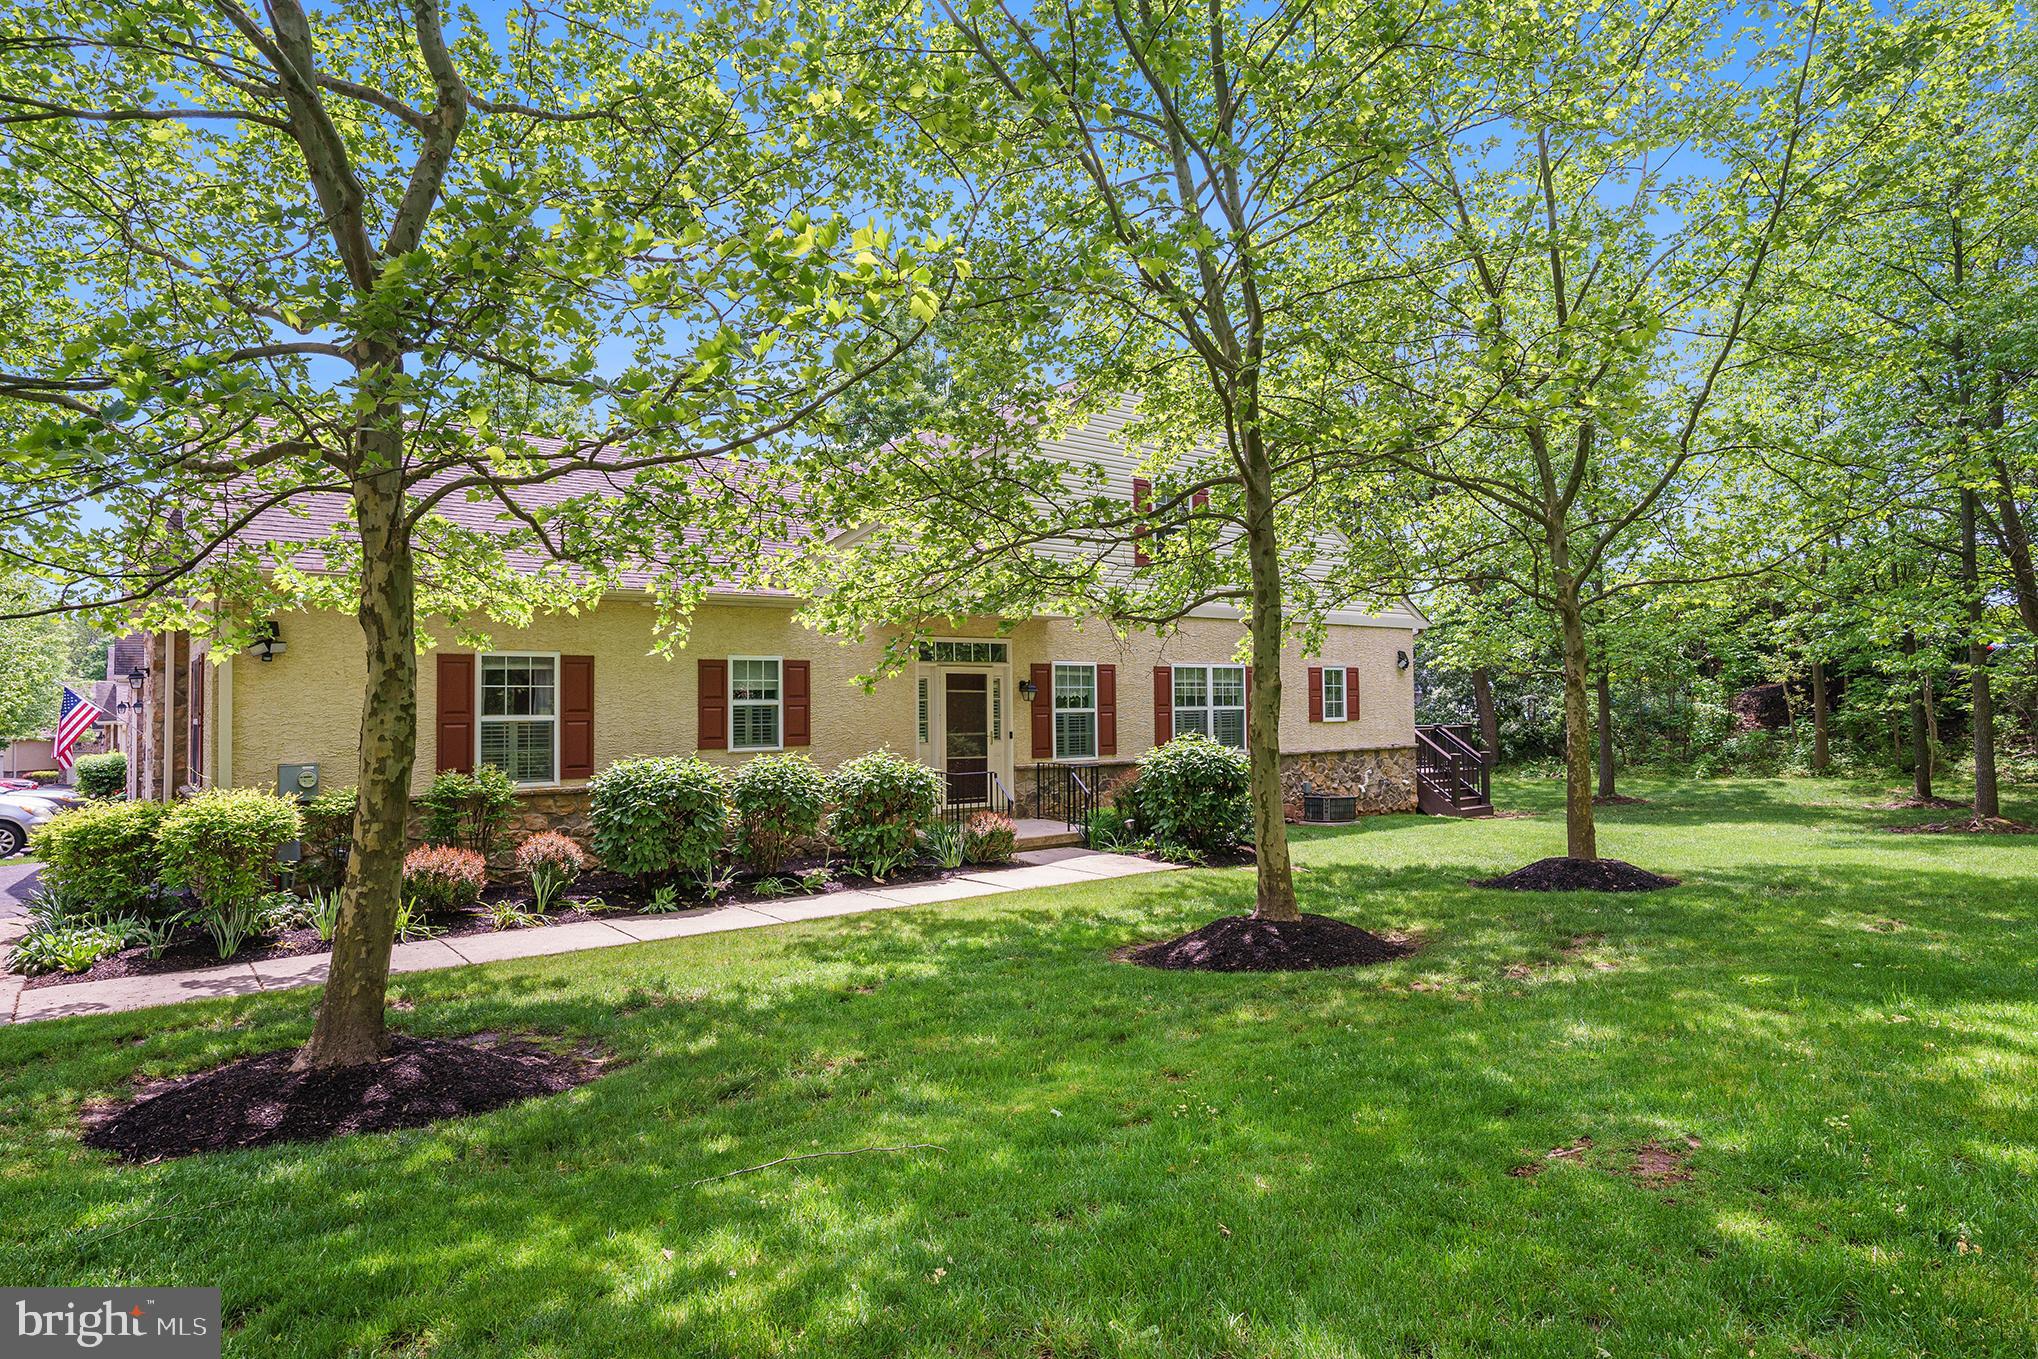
[(613, 894), (1559, 874), (258, 1101), (1243, 943), (1973, 825), (1916, 804), (1619, 800)]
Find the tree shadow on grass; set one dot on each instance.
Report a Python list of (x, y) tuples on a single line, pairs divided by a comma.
[(1137, 1162)]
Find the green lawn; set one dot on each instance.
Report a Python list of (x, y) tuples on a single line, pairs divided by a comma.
[(1171, 1164)]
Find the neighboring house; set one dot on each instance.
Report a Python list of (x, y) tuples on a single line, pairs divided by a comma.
[(1006, 708)]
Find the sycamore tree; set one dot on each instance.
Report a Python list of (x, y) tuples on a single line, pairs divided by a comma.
[(317, 255), (1917, 325), (1148, 175), (1582, 263)]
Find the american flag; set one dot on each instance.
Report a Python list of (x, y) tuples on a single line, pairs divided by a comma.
[(74, 718)]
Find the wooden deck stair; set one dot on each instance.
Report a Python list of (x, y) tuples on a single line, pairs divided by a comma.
[(1453, 777)]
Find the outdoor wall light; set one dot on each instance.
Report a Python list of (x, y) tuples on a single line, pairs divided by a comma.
[(1400, 660), (137, 677), (1027, 689), (269, 642)]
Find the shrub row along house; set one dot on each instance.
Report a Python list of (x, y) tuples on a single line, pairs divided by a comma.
[(1025, 713)]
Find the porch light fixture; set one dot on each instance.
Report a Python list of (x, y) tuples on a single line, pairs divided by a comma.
[(1027, 689), (269, 642), (137, 677), (1400, 660)]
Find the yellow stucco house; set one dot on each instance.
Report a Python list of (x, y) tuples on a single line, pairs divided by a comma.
[(1014, 712)]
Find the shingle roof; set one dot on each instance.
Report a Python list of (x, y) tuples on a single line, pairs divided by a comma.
[(310, 518)]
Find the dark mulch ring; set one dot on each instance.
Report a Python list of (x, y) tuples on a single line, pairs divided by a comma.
[(609, 894), (1619, 800), (257, 1101), (1973, 825), (1559, 874), (1244, 943), (1916, 804)]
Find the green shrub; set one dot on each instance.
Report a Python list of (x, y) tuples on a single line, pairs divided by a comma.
[(222, 843), (328, 837), (70, 947), (653, 818), (102, 776), (1196, 794), (552, 861), (440, 877), (778, 801), (281, 912), (471, 810), (43, 777), (881, 802), (989, 838), (105, 857)]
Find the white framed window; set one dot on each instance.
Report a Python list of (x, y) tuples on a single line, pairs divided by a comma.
[(1075, 710), (1211, 699), (950, 652), (1333, 693), (518, 730), (756, 700)]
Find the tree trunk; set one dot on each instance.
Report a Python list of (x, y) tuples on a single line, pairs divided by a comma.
[(1581, 838), (1982, 711), (1821, 755), (1605, 697), (1489, 717), (350, 1028), (1274, 894), (1921, 735)]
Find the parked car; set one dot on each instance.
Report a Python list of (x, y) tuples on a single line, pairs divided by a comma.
[(21, 813), (16, 785)]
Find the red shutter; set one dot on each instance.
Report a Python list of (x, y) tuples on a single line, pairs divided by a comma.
[(1351, 693), (576, 717), (1107, 710), (712, 714), (1315, 693), (1043, 712), (1202, 500), (1163, 704), (798, 702), (453, 732), (1142, 492)]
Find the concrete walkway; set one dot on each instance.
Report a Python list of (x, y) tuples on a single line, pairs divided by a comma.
[(1038, 868)]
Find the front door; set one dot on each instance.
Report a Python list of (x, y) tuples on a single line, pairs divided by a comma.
[(966, 738)]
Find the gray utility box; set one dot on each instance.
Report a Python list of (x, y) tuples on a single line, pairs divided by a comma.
[(301, 782)]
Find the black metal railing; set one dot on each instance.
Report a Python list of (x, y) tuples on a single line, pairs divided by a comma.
[(1060, 792), (972, 791), (1452, 767)]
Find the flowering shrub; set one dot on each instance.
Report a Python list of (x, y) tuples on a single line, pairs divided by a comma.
[(989, 838), (438, 877), (552, 861)]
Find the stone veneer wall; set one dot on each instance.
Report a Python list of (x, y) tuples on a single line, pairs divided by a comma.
[(1382, 780)]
